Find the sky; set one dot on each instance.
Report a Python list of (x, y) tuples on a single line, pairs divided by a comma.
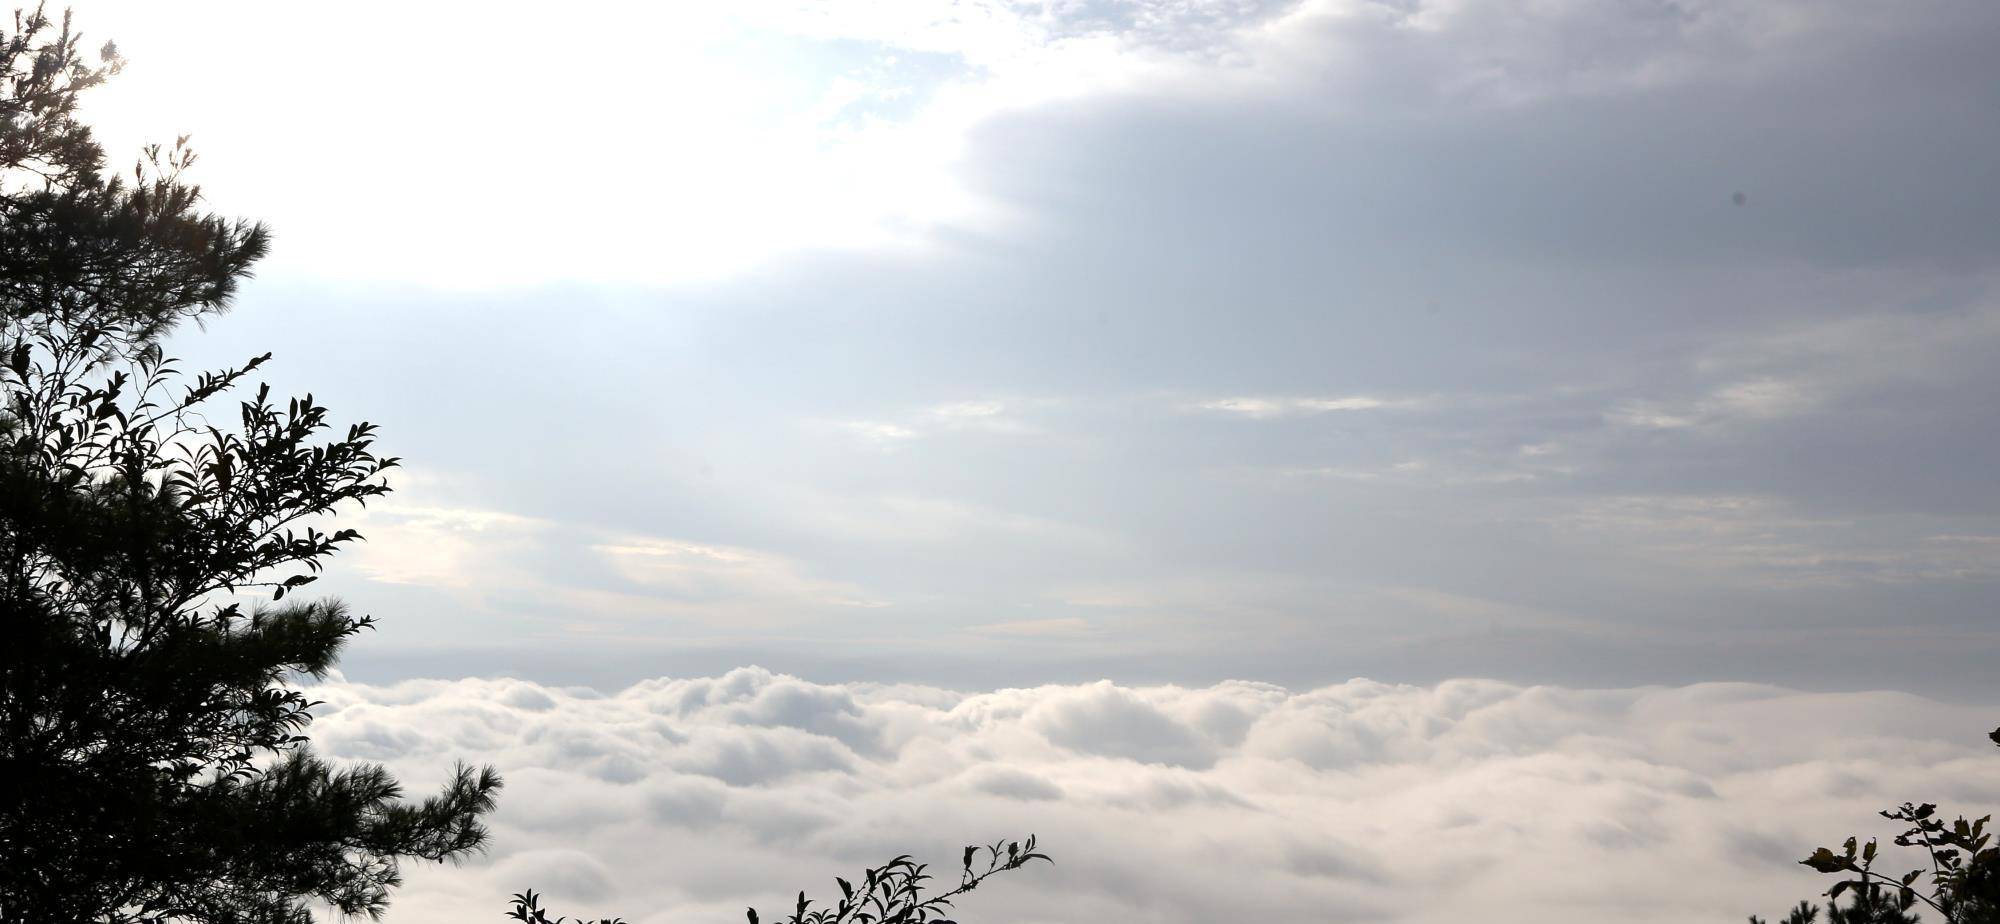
[(1017, 382), (1544, 341)]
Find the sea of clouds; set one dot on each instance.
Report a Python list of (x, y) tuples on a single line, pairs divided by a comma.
[(683, 800)]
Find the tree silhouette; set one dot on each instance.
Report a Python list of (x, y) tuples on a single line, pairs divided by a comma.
[(150, 732), (1871, 905), (1964, 873)]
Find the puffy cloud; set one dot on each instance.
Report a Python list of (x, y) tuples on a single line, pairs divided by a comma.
[(1013, 784), (685, 799), (1110, 721)]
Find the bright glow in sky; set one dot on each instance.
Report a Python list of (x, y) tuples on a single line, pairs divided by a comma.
[(610, 144)]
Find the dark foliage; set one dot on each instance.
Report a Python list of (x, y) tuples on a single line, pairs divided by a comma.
[(888, 894), (150, 734), (88, 248), (1963, 878), (1871, 905)]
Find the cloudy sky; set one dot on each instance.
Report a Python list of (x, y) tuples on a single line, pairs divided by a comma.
[(1224, 351)]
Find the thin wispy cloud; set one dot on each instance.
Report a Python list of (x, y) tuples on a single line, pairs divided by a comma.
[(1266, 408)]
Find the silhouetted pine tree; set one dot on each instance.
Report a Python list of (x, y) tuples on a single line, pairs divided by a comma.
[(151, 759), (1871, 905)]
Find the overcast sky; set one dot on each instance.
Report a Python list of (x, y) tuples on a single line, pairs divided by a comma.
[(988, 344)]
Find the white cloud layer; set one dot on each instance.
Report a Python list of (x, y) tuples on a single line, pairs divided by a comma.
[(684, 800)]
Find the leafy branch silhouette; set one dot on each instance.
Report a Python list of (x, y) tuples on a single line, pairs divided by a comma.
[(1964, 873), (889, 894)]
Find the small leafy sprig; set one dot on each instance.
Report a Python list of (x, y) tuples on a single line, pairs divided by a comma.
[(888, 894), (893, 892), (528, 908)]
